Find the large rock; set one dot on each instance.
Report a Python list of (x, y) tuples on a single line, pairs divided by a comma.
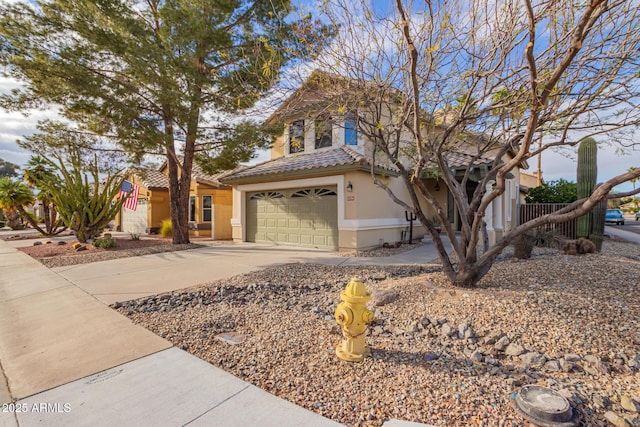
[(448, 330), (616, 420), (514, 349), (502, 343), (629, 404), (381, 297), (533, 358), (465, 331)]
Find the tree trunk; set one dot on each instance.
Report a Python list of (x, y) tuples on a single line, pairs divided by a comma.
[(29, 219), (13, 219), (178, 201)]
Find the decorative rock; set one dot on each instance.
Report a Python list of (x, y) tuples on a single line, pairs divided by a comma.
[(448, 330), (81, 248), (61, 243), (570, 357), (381, 297), (430, 356), (629, 404), (592, 359), (600, 402), (616, 420), (533, 358), (465, 331), (514, 349), (37, 243), (476, 356), (566, 366), (502, 343), (552, 366)]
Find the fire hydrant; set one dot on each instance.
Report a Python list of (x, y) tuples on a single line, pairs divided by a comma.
[(353, 316)]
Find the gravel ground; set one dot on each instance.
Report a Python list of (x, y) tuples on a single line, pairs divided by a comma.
[(440, 355), (53, 254)]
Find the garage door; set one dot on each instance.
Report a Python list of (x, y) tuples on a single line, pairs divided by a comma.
[(135, 221), (301, 217)]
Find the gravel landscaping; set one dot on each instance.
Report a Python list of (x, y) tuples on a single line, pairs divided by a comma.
[(440, 355), (60, 254)]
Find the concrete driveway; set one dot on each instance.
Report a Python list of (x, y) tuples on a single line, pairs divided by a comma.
[(135, 277)]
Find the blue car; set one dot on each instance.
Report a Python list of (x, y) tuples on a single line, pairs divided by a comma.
[(614, 216)]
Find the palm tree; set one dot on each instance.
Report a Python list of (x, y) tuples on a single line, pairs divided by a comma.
[(39, 174), (14, 196)]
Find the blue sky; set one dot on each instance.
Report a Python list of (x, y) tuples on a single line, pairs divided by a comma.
[(611, 161)]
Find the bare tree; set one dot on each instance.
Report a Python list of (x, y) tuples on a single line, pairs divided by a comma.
[(467, 92)]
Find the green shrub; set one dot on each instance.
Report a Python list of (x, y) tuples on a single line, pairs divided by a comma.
[(104, 242), (2, 223), (166, 230), (134, 236)]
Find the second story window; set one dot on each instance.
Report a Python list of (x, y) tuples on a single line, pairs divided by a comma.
[(296, 137), (323, 132), (350, 132)]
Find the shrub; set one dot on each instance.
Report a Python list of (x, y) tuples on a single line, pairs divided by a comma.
[(166, 230), (104, 242), (134, 236)]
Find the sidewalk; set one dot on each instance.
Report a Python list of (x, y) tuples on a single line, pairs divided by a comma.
[(71, 360)]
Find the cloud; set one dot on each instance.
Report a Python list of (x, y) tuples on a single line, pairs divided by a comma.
[(14, 126), (556, 165)]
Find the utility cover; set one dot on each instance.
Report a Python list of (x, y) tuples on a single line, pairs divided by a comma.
[(544, 407)]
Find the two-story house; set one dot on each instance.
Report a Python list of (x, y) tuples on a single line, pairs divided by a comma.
[(317, 189)]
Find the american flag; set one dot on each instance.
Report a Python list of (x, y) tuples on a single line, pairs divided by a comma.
[(130, 191)]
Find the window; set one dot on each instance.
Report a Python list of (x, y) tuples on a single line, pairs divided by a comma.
[(350, 133), (323, 132), (192, 208), (267, 195), (206, 208), (296, 137)]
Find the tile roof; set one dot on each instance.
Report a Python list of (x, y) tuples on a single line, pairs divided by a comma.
[(152, 178), (341, 156), (201, 177), (457, 159)]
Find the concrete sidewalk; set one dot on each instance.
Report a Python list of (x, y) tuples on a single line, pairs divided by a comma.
[(131, 278), (70, 360)]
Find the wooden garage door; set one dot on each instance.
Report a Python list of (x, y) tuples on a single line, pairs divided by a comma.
[(135, 221), (300, 217)]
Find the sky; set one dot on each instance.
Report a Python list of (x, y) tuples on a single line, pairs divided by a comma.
[(555, 165)]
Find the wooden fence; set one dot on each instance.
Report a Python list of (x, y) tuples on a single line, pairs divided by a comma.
[(533, 210)]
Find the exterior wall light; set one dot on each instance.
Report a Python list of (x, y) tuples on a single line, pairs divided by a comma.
[(349, 187)]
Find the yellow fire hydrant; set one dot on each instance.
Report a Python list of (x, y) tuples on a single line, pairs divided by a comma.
[(353, 316)]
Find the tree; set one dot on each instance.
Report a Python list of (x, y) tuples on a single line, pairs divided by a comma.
[(559, 191), (157, 77), (465, 88), (8, 169), (14, 196), (41, 175)]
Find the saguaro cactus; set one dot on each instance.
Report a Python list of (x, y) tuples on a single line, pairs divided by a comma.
[(587, 176)]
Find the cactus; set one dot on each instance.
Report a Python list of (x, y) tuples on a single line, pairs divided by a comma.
[(85, 207), (587, 176), (597, 224)]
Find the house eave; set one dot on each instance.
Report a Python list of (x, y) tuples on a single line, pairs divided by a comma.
[(307, 173)]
